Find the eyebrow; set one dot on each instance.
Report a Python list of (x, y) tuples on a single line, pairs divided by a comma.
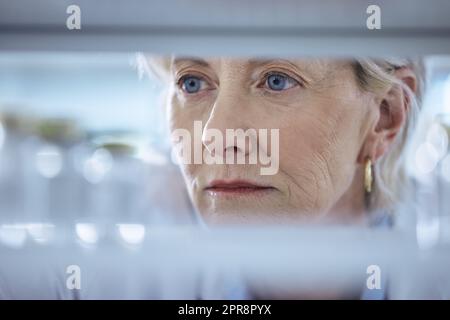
[(262, 62), (259, 62), (253, 62), (192, 60), (303, 70), (204, 63)]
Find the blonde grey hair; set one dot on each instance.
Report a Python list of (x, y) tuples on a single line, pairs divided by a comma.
[(391, 183)]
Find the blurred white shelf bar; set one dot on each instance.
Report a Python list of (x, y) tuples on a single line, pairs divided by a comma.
[(177, 260), (213, 27)]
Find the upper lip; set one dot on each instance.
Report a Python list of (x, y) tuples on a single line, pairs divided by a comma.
[(231, 184)]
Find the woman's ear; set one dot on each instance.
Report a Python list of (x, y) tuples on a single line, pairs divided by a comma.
[(392, 114)]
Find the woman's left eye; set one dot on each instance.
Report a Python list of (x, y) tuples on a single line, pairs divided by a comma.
[(280, 82)]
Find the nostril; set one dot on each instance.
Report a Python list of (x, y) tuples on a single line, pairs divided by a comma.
[(233, 149)]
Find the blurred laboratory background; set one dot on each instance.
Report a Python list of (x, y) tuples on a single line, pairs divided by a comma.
[(83, 146)]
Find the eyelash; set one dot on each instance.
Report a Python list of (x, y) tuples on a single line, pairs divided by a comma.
[(279, 73), (182, 78)]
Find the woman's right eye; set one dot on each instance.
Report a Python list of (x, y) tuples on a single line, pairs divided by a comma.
[(192, 84)]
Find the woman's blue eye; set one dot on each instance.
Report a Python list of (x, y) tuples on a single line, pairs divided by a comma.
[(191, 84), (278, 82)]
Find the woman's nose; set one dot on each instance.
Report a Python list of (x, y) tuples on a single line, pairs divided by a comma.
[(223, 122)]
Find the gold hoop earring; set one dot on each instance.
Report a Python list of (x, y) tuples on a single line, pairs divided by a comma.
[(368, 178)]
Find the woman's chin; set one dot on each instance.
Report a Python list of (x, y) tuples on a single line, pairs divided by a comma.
[(251, 213)]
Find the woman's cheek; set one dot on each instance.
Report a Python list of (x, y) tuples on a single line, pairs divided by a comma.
[(306, 164)]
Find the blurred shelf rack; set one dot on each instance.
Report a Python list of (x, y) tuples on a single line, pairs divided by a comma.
[(265, 27)]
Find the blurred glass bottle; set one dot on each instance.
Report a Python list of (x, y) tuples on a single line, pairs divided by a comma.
[(15, 129)]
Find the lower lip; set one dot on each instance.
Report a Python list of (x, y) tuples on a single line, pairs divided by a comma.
[(238, 191)]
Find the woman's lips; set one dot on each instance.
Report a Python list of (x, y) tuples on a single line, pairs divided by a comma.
[(236, 187)]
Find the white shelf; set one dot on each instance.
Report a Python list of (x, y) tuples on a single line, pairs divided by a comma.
[(229, 27)]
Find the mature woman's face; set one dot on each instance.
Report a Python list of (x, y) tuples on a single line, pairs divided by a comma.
[(322, 116)]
